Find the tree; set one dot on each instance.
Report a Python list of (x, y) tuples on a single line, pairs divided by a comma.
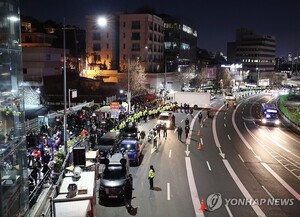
[(187, 74), (137, 78), (200, 78)]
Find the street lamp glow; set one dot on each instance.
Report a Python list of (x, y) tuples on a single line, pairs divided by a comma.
[(102, 21), (13, 18)]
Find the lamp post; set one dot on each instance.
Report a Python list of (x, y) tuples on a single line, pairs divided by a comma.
[(257, 70), (65, 89), (128, 87)]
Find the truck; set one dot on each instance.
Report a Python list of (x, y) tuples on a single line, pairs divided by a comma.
[(194, 99)]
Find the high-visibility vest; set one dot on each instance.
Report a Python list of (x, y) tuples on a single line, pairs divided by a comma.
[(151, 174)]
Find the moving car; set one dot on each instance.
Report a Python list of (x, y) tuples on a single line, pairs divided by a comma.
[(165, 118), (114, 177), (134, 150)]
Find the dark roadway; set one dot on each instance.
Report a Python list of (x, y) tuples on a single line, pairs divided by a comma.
[(260, 163)]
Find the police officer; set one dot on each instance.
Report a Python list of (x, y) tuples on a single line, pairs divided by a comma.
[(151, 176)]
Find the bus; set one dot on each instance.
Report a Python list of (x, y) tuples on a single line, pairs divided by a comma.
[(269, 114)]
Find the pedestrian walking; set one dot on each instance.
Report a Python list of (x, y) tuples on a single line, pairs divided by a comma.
[(179, 131), (187, 121), (200, 116), (165, 130), (155, 138), (128, 195), (151, 176), (158, 128), (187, 130), (173, 120)]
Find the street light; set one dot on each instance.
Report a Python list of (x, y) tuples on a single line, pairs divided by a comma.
[(128, 87), (65, 89), (257, 70)]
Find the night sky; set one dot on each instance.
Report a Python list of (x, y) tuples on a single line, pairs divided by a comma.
[(215, 20)]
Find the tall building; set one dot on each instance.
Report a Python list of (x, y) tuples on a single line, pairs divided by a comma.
[(102, 41), (142, 37), (180, 43), (120, 38), (256, 53), (13, 157)]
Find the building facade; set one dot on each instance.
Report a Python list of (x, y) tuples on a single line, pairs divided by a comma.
[(13, 157), (180, 44), (102, 42), (123, 38), (256, 53)]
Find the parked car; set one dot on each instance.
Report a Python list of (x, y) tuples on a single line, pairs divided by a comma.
[(130, 131), (134, 150), (109, 142), (114, 177)]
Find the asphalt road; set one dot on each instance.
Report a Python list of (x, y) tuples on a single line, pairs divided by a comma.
[(230, 156)]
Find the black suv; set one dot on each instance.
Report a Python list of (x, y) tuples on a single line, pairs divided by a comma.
[(109, 142), (114, 177), (130, 131)]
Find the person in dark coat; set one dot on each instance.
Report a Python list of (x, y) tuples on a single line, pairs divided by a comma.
[(128, 195), (187, 130), (179, 131), (165, 130)]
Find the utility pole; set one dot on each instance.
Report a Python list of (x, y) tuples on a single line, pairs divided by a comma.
[(128, 87), (65, 89)]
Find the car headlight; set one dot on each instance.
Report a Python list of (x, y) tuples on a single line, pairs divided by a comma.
[(264, 120), (277, 122)]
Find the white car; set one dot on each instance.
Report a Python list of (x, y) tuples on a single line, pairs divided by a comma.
[(165, 118)]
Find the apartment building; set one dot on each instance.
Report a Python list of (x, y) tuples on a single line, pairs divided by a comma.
[(120, 38), (255, 51)]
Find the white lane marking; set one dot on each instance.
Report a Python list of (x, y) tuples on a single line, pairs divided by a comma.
[(282, 182), (279, 145), (268, 192), (224, 125), (298, 141), (208, 165), (181, 120), (193, 189), (168, 191), (241, 158), (228, 137), (201, 141), (170, 153), (243, 189), (224, 117), (228, 210)]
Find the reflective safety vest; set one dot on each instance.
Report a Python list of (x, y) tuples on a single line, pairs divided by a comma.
[(151, 174)]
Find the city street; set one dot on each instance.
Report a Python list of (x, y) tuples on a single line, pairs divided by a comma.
[(230, 156)]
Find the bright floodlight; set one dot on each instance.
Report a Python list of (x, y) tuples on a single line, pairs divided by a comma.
[(102, 21), (13, 18)]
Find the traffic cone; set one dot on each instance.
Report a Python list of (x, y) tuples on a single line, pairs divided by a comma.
[(198, 132), (199, 146), (202, 205)]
